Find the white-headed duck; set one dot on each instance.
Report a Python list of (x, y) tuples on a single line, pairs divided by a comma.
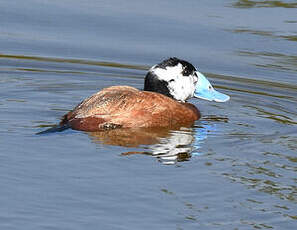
[(162, 103)]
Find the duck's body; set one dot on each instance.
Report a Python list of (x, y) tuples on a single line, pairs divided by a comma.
[(162, 103), (128, 107)]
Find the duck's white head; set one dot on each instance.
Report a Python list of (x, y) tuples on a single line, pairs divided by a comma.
[(180, 80)]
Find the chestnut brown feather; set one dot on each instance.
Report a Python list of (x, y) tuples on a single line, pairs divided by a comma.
[(128, 107)]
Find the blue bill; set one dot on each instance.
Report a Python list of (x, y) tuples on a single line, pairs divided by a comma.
[(204, 90)]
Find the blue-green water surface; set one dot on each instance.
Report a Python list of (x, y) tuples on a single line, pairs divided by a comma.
[(234, 169)]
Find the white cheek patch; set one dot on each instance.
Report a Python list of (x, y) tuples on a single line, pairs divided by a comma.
[(180, 87), (171, 72)]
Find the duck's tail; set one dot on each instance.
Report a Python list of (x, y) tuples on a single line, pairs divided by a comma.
[(57, 128)]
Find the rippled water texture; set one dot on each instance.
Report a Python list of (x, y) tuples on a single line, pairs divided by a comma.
[(234, 169)]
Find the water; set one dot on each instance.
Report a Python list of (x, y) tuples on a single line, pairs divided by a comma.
[(234, 169)]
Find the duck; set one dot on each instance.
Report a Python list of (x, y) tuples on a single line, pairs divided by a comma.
[(162, 102)]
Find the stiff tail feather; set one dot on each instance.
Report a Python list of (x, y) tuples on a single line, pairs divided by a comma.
[(57, 128)]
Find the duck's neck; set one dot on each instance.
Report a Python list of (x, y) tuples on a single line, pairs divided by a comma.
[(153, 84)]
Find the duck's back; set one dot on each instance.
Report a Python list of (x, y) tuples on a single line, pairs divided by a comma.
[(128, 107)]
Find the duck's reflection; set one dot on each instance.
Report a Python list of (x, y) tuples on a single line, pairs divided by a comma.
[(168, 145)]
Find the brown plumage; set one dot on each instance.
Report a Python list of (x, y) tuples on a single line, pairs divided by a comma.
[(128, 107)]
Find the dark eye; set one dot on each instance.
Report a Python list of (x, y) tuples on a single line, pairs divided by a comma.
[(171, 80), (186, 72)]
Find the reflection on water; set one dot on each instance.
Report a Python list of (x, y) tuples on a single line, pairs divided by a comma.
[(255, 4), (290, 21), (274, 116), (276, 61), (72, 61), (177, 146), (254, 180), (168, 145), (271, 34)]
